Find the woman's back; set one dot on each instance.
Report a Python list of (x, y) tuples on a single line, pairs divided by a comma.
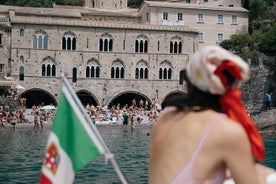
[(176, 136)]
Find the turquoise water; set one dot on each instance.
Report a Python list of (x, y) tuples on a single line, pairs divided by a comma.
[(22, 153)]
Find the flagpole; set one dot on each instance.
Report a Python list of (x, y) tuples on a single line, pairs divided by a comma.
[(109, 155)]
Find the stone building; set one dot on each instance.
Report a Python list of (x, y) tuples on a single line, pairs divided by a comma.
[(108, 51)]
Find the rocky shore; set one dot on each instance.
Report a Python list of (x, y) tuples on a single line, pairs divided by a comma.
[(266, 121)]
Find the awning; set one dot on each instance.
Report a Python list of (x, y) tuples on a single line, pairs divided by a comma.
[(7, 83)]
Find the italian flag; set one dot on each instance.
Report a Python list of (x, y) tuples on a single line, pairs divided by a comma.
[(72, 143)]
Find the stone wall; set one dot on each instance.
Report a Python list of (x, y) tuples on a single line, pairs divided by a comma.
[(262, 78)]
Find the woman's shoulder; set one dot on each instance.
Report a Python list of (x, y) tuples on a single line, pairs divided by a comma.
[(232, 127), (230, 132)]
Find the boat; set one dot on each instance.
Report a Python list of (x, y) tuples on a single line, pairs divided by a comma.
[(112, 121), (270, 179)]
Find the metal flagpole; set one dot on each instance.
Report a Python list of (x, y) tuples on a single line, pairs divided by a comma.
[(109, 155)]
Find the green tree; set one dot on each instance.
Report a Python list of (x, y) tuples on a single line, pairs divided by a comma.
[(237, 42), (245, 4), (134, 3), (267, 44), (243, 45), (70, 2), (257, 11)]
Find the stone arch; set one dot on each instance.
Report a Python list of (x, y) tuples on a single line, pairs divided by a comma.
[(93, 61), (107, 35), (40, 32), (118, 61), (86, 97), (171, 95), (38, 96), (176, 37), (126, 97), (49, 59), (69, 33), (143, 63), (166, 63), (142, 37)]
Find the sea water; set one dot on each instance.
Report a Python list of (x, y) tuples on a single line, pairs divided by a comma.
[(22, 153)]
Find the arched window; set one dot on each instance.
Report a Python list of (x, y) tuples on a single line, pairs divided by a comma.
[(176, 46), (160, 73), (117, 70), (92, 71), (137, 73), (169, 73), (40, 40), (106, 43), (43, 69), (21, 32), (97, 72), (117, 74), (101, 45), (63, 43), (165, 71), (158, 45), (141, 44), (48, 67), (21, 73), (141, 71), (69, 41), (45, 42), (92, 68), (74, 43), (146, 73), (122, 73), (87, 72), (136, 45), (112, 73), (34, 41), (182, 76), (48, 70), (53, 70), (74, 77)]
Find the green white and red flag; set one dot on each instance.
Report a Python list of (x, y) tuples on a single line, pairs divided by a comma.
[(72, 143)]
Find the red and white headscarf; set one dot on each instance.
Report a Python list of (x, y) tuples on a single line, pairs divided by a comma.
[(207, 72)]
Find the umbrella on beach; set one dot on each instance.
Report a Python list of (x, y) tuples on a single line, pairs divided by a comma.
[(48, 107), (18, 86)]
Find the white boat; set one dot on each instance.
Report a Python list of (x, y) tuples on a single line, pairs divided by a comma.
[(114, 121), (270, 179)]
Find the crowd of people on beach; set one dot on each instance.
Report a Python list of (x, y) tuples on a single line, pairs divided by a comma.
[(136, 113), (34, 116), (127, 115)]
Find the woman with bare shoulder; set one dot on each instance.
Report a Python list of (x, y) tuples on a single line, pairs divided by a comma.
[(206, 136)]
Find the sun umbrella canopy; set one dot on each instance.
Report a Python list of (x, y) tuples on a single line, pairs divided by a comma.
[(48, 107), (19, 87)]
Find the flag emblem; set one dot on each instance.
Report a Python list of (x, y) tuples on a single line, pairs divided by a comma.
[(52, 158)]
